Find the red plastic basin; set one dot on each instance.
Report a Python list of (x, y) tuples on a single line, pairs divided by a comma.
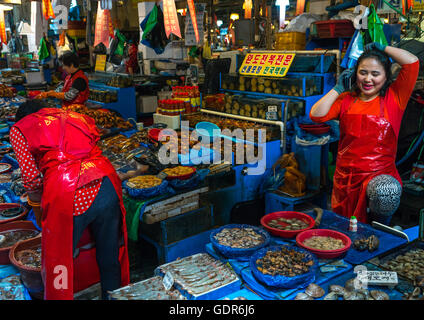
[(153, 134), (325, 254), (288, 215), (315, 129)]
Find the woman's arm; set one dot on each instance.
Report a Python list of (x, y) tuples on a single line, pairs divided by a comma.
[(323, 105), (400, 56)]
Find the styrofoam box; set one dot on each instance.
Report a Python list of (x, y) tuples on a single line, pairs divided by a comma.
[(147, 104), (173, 122)]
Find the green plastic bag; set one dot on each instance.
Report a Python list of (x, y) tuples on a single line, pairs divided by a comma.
[(121, 41), (375, 28), (151, 22), (43, 52)]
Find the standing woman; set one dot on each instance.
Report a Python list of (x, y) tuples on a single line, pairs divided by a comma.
[(370, 116), (71, 186), (75, 90)]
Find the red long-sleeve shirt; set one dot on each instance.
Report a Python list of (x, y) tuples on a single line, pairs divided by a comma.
[(32, 177)]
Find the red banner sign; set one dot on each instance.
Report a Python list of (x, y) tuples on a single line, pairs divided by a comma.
[(47, 10), (193, 17), (248, 9), (104, 28), (3, 36), (170, 18)]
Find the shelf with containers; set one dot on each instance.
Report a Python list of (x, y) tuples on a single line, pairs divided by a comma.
[(311, 75), (104, 91)]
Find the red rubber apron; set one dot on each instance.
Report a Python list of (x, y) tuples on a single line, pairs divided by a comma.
[(367, 148), (50, 133)]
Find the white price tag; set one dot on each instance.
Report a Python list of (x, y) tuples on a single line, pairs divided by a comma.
[(168, 281), (272, 108), (271, 116), (379, 278)]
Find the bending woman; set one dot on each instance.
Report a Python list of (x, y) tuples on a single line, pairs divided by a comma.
[(370, 116)]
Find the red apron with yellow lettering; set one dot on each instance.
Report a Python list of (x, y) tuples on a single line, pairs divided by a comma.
[(367, 148), (64, 147)]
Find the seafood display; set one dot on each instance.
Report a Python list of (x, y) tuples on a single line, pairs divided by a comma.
[(285, 262), (6, 91), (241, 238), (150, 289), (103, 118), (311, 292), (11, 237), (30, 257), (119, 144), (8, 111), (371, 243), (414, 295), (199, 274), (104, 96), (11, 288), (272, 132), (120, 82), (144, 182), (351, 292), (288, 224), (409, 265), (324, 243), (178, 171)]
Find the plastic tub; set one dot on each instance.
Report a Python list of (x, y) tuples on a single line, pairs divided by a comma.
[(12, 226), (31, 276), (288, 215), (315, 129), (20, 216), (325, 254)]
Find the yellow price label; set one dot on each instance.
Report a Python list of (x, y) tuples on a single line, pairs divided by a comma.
[(100, 62), (266, 64)]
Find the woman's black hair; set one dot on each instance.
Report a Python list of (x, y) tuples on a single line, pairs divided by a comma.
[(384, 60), (27, 108), (69, 58)]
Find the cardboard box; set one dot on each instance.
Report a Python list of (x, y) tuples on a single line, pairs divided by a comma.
[(147, 104)]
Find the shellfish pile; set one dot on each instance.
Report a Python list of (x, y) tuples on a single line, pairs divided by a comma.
[(409, 265), (11, 237), (150, 289), (371, 243), (348, 292), (284, 262), (30, 257), (199, 273), (241, 238), (324, 243), (288, 224)]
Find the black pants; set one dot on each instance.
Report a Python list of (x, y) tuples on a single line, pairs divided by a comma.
[(104, 220)]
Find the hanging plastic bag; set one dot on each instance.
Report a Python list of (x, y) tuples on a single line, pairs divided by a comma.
[(375, 27), (43, 52), (354, 51), (153, 27), (121, 43)]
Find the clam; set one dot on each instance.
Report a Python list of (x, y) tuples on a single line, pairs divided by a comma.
[(352, 295), (331, 296), (314, 291), (303, 296), (379, 295), (350, 285), (339, 290), (373, 243)]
